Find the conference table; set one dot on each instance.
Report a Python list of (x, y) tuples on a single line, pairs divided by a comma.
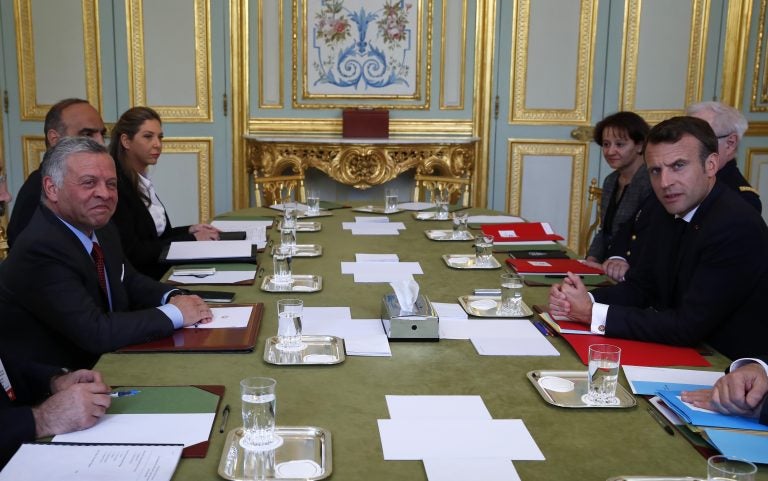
[(348, 398)]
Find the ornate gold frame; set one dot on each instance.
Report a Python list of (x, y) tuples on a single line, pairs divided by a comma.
[(578, 152), (759, 100), (462, 57), (750, 154), (735, 51), (33, 149), (202, 146), (628, 78), (518, 113), (281, 54), (201, 111), (25, 50)]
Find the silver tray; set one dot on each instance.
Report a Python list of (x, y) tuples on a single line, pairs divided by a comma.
[(654, 478), (304, 250), (430, 215), (305, 215), (319, 350), (301, 283), (299, 443), (454, 261), (572, 399), (447, 235), (375, 209), (466, 304), (302, 226)]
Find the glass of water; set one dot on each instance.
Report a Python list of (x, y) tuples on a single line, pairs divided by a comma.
[(289, 324), (511, 294), (722, 468), (288, 238), (460, 225), (484, 250), (281, 263), (258, 398), (603, 373), (289, 216), (441, 204), (313, 202), (390, 200)]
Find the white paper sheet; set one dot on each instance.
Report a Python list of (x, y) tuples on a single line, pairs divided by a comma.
[(412, 439), (451, 407), (666, 378), (376, 345), (449, 310), (494, 346), (209, 250), (445, 469), (361, 219), (220, 277), (227, 317), (374, 229), (186, 429), (377, 258), (381, 271), (255, 230), (415, 205), (493, 219), (665, 411), (488, 328)]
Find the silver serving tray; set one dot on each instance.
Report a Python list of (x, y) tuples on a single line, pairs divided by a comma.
[(468, 261), (431, 215), (304, 250), (375, 209), (305, 215), (319, 350), (654, 478), (572, 399), (466, 303), (301, 283), (447, 235), (299, 443), (303, 226)]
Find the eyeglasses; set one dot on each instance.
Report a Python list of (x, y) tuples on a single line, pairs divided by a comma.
[(724, 135)]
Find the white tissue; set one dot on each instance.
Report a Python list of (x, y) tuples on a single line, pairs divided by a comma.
[(406, 291)]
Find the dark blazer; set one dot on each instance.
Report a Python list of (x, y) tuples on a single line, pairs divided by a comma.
[(138, 234), (25, 205), (53, 309), (31, 384), (708, 286), (634, 195), (731, 176)]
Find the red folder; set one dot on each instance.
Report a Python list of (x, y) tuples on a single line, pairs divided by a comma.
[(520, 232), (553, 267), (638, 353)]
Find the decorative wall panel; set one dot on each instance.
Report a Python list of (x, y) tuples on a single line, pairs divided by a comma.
[(187, 162)]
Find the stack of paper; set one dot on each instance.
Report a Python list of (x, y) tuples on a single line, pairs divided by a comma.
[(373, 225), (362, 337), (218, 277), (255, 230)]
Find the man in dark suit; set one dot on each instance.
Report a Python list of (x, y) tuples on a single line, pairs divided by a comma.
[(66, 293), (709, 269), (67, 118), (38, 401), (741, 392)]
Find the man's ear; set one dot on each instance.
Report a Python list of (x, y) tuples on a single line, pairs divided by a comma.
[(52, 137), (50, 189), (710, 165)]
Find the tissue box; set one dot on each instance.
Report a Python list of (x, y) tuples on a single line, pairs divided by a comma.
[(365, 123), (421, 324)]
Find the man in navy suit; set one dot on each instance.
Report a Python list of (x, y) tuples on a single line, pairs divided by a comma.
[(59, 306), (37, 401), (709, 269)]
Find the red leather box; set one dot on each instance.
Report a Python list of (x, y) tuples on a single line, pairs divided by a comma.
[(365, 123)]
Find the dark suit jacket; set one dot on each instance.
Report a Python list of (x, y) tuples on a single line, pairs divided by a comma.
[(712, 290), (731, 176), (25, 205), (31, 384), (138, 233), (53, 309), (634, 195)]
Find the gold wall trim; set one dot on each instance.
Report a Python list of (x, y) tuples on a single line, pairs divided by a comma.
[(30, 109), (735, 49), (578, 151), (482, 104), (239, 68), (759, 100), (293, 126), (580, 114), (33, 147), (137, 78), (462, 57), (202, 146), (281, 59), (751, 153), (757, 129), (423, 42), (696, 58)]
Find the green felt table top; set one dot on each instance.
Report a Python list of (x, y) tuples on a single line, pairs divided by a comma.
[(348, 398)]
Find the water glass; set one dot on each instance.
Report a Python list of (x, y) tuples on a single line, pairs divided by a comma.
[(390, 200), (258, 464), (313, 202), (460, 226), (484, 250), (289, 324), (289, 216), (281, 263), (441, 204), (511, 294), (258, 398), (722, 468), (603, 373), (288, 238)]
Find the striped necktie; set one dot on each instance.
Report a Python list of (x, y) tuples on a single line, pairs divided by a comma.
[(98, 259)]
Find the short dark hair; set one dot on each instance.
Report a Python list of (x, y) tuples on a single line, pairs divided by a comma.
[(635, 126), (54, 165), (53, 117), (672, 130)]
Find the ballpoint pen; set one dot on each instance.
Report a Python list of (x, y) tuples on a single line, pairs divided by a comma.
[(131, 392), (661, 422), (224, 418), (541, 328)]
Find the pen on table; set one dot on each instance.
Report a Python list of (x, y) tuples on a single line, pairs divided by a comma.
[(131, 392), (541, 328), (661, 422), (224, 418)]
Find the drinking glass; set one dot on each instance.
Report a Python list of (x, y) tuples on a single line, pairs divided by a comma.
[(289, 216), (603, 373), (460, 225), (281, 263), (289, 324), (722, 468), (441, 204), (288, 238), (313, 202), (390, 200), (258, 398), (511, 294), (484, 250)]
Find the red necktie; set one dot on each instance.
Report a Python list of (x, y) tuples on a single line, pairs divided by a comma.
[(98, 259)]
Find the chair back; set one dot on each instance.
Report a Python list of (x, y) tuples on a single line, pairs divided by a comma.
[(427, 187), (279, 189), (588, 226)]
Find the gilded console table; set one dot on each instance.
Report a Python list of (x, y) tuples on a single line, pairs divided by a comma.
[(361, 163)]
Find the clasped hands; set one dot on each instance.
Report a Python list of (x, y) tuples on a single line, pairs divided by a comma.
[(193, 309), (570, 299), (742, 392), (204, 232)]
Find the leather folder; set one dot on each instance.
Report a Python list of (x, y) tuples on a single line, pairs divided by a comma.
[(218, 260)]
